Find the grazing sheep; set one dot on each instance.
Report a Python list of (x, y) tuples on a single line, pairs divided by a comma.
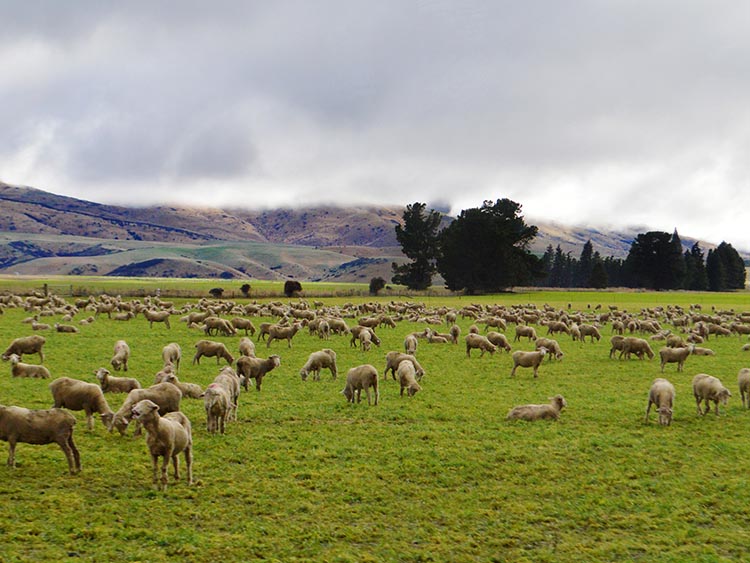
[(743, 380), (19, 369), (65, 328), (359, 378), (557, 326), (357, 330), (156, 317), (676, 341), (277, 332), (26, 345), (661, 395), (110, 384), (216, 325), (475, 340), (528, 360), (455, 332), (324, 330), (746, 348), (230, 381), (164, 394), (247, 347), (708, 388), (589, 330), (322, 359), (167, 437), (525, 332), (243, 324), (499, 340), (216, 401), (674, 356), (394, 359), (18, 424), (408, 379), (552, 346), (410, 344), (365, 340), (616, 343), (539, 412), (338, 326), (121, 355), (637, 346), (172, 354), (189, 390), (211, 348), (249, 367), (78, 395)]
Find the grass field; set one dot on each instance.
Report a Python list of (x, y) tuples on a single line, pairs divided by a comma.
[(442, 476)]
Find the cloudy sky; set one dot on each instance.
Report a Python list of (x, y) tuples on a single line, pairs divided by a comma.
[(600, 113)]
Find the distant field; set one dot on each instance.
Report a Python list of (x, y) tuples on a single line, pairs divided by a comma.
[(442, 476)]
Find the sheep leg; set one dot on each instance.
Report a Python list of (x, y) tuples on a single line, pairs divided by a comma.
[(536, 368), (90, 420), (71, 453), (176, 465), (155, 468), (11, 452), (513, 371), (258, 381), (189, 464), (648, 409)]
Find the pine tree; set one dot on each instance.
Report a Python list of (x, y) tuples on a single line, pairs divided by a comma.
[(598, 278), (585, 265), (418, 238)]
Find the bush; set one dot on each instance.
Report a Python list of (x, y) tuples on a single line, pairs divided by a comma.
[(216, 292), (292, 288), (245, 289), (376, 284)]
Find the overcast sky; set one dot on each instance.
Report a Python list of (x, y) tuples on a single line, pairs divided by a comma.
[(598, 113)]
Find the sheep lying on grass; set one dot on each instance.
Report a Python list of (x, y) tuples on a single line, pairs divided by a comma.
[(474, 340), (674, 356), (65, 328), (408, 379), (81, 396), (539, 412), (164, 394), (19, 369), (121, 356), (528, 360), (359, 378), (210, 348), (110, 384), (216, 402), (167, 437), (393, 359), (172, 354), (661, 395), (249, 368), (743, 380), (322, 359), (708, 388), (26, 345), (18, 424)]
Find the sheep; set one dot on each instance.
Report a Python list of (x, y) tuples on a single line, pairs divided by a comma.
[(408, 379), (172, 354), (19, 424), (746, 348), (395, 359), (325, 358), (277, 332), (676, 341), (156, 317), (474, 340), (708, 388), (359, 329), (410, 344), (65, 328), (359, 378), (230, 381), (557, 326), (674, 356), (455, 332), (661, 395), (39, 326), (189, 390), (164, 394), (539, 412), (26, 345), (243, 324), (338, 326), (27, 370), (528, 360), (121, 355), (324, 330), (743, 380), (210, 348), (167, 437), (247, 347), (249, 367), (111, 384), (700, 351), (216, 402), (589, 330), (78, 395), (435, 338), (216, 325), (525, 332), (365, 340), (637, 346), (499, 340), (552, 346)]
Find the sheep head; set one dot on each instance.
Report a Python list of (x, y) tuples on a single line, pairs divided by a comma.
[(144, 409)]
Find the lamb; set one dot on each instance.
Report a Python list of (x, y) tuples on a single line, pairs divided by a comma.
[(743, 380), (172, 354), (249, 367), (121, 355), (525, 332), (674, 356), (210, 348), (65, 328), (407, 378), (167, 437), (325, 358), (539, 412), (359, 378), (247, 347), (26, 345), (410, 344), (19, 369), (708, 388), (552, 346), (661, 395), (156, 317), (395, 359), (110, 384), (78, 395), (216, 402), (164, 394), (499, 340), (474, 340), (243, 324), (528, 360), (277, 332), (230, 381), (18, 424), (637, 346)]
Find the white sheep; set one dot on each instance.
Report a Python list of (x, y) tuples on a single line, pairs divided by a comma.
[(78, 395), (156, 317), (322, 359), (164, 394), (121, 356), (359, 378), (709, 388), (230, 381), (167, 437), (211, 348), (743, 380), (410, 344), (65, 328), (240, 323), (455, 332), (172, 354), (277, 332), (408, 379), (589, 330), (700, 351), (110, 384), (474, 340), (528, 360), (249, 367), (523, 331), (365, 340), (674, 356), (552, 346), (499, 340), (19, 424), (539, 412), (26, 345), (661, 395), (19, 369), (189, 390), (637, 346), (216, 402), (393, 359), (247, 347)]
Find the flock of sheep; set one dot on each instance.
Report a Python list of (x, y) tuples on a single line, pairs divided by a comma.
[(156, 408)]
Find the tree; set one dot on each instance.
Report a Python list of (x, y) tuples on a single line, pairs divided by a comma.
[(418, 238), (651, 261), (725, 268), (598, 278), (376, 284), (292, 288), (696, 278), (585, 265), (677, 266), (245, 289), (486, 249), (216, 292)]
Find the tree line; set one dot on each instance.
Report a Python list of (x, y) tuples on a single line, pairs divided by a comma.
[(486, 250)]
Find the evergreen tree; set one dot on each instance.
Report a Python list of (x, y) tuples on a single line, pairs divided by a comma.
[(418, 238), (598, 278), (695, 270), (547, 260), (676, 262), (585, 266), (650, 262), (725, 268), (717, 275)]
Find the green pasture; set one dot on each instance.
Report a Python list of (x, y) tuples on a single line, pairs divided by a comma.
[(442, 476)]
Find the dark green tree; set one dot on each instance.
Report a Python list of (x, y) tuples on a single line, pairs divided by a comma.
[(486, 249), (695, 269), (585, 265), (598, 278), (292, 288), (725, 268), (245, 289), (376, 284), (418, 238), (547, 259), (650, 261), (677, 266), (563, 267)]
